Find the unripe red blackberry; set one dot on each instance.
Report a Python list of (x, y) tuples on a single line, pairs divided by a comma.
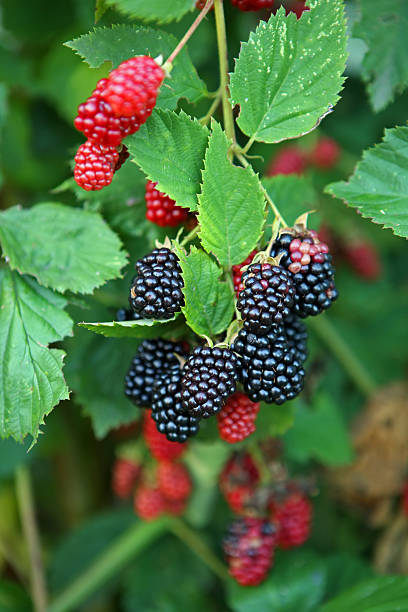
[(133, 86), (98, 122), (237, 272), (95, 165), (153, 358), (269, 369), (161, 209), (124, 477), (149, 503), (249, 547), (123, 156), (325, 153), (156, 291), (296, 336), (298, 7), (252, 5), (293, 517), (238, 481), (267, 297), (236, 421), (209, 378), (405, 499), (174, 481), (159, 446), (289, 160), (364, 259), (310, 264), (168, 412)]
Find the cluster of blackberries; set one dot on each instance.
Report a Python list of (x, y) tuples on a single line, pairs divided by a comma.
[(116, 108)]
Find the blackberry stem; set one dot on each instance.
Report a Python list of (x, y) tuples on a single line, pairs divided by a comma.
[(204, 120), (357, 371), (223, 62), (197, 545), (188, 34), (190, 236)]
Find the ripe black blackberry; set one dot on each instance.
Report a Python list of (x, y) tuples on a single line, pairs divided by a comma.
[(156, 290), (269, 369), (296, 336), (209, 378), (126, 314), (153, 357), (171, 418), (310, 264), (267, 296)]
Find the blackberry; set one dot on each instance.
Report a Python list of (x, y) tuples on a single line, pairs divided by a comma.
[(267, 296), (125, 314), (153, 357), (269, 371), (296, 336), (209, 378), (310, 264), (156, 290), (167, 409)]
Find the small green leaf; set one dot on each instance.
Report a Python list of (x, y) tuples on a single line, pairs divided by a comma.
[(288, 74), (31, 379), (231, 204), (120, 42), (209, 303), (379, 594), (161, 11), (144, 328), (383, 27), (63, 247), (170, 149), (379, 185)]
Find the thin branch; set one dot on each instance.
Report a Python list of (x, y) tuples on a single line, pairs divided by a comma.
[(188, 34), (223, 62)]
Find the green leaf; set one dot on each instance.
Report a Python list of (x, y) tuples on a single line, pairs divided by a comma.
[(120, 42), (170, 149), (383, 27), (296, 582), (379, 186), (292, 194), (161, 11), (63, 247), (31, 379), (13, 597), (231, 204), (288, 74), (380, 594), (209, 303), (144, 328), (319, 433)]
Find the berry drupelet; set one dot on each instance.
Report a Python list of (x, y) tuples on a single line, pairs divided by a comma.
[(296, 336), (238, 481), (174, 480), (252, 5), (133, 86), (289, 160), (249, 547), (209, 378), (156, 292), (95, 165), (293, 517), (269, 370), (237, 272), (168, 412), (124, 477), (161, 209), (236, 421), (267, 296), (153, 357), (310, 264), (161, 448)]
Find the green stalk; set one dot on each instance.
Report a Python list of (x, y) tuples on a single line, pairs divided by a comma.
[(121, 552), (355, 369), (25, 500), (223, 62)]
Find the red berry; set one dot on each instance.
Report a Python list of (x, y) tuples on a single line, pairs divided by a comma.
[(161, 448), (252, 5), (289, 160), (133, 86), (405, 499), (293, 517), (98, 122), (364, 259), (95, 165), (237, 272), (175, 507), (149, 502), (325, 154), (249, 547), (238, 480), (173, 480), (161, 209), (124, 477), (297, 7), (236, 421), (200, 4)]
